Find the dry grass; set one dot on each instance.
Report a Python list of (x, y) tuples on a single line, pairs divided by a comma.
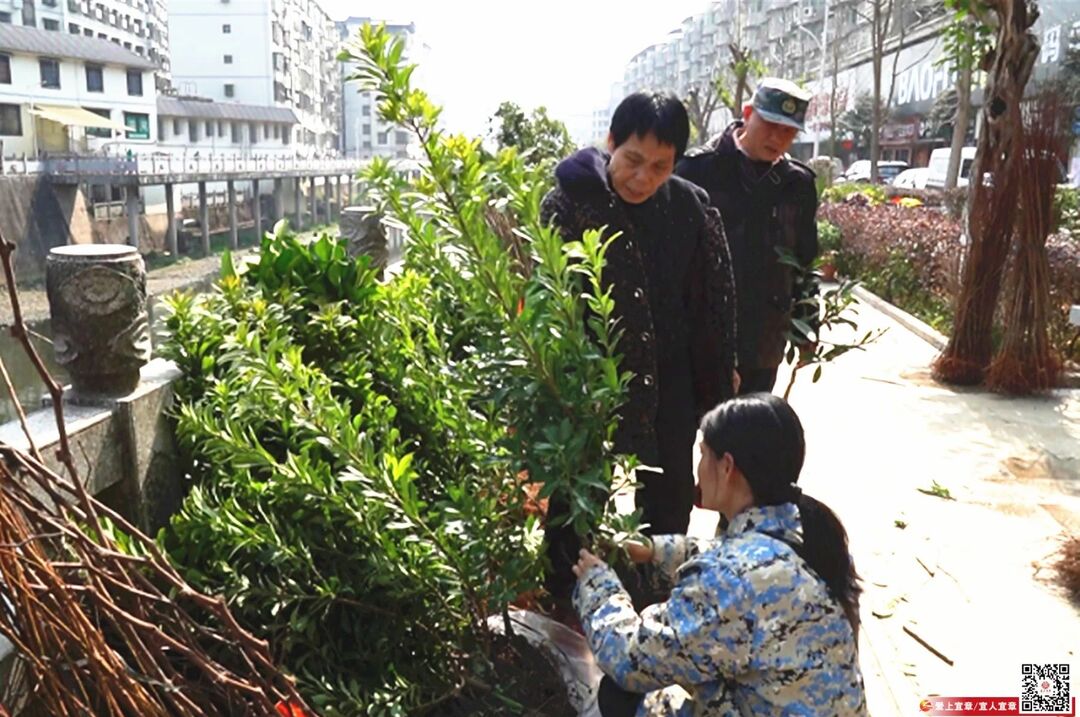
[(1067, 567)]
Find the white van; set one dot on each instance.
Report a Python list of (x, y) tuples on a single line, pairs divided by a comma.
[(939, 167)]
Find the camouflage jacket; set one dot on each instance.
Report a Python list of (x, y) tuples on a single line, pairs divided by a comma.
[(749, 628)]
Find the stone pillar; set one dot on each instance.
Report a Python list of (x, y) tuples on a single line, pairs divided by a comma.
[(204, 219), (97, 301), (337, 186), (170, 209), (298, 205), (257, 209), (234, 237), (314, 204), (131, 196), (328, 215), (279, 199)]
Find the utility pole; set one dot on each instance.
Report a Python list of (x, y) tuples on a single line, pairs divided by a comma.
[(821, 73)]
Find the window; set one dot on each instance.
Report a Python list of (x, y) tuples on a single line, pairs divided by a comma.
[(138, 125), (5, 69), (235, 132), (266, 131), (286, 136), (209, 129), (253, 133), (134, 82), (228, 59), (401, 137), (95, 78), (161, 127), (220, 129), (277, 132), (226, 29), (230, 90), (366, 111), (50, 73), (176, 126), (5, 17), (367, 144), (382, 137), (88, 32), (127, 45), (53, 25), (193, 130), (73, 28), (11, 120), (99, 131), (366, 129)]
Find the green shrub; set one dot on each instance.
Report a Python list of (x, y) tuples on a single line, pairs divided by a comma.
[(829, 237), (357, 448), (874, 194)]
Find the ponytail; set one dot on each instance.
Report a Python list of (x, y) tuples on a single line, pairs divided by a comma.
[(825, 550)]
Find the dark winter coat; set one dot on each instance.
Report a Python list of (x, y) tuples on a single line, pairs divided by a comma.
[(670, 276), (763, 209)]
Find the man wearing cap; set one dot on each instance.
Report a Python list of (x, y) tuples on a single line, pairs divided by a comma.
[(768, 203)]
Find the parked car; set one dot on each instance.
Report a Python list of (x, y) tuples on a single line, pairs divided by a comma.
[(939, 166), (859, 171), (914, 178)]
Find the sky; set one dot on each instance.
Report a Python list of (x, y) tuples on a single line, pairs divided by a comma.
[(563, 54)]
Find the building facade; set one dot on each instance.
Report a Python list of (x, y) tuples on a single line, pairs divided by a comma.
[(140, 26), (363, 133), (275, 53), (62, 94), (827, 44)]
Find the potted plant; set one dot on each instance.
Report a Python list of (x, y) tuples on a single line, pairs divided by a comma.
[(829, 245)]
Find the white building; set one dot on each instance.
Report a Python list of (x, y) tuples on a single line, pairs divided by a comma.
[(363, 134), (69, 93), (279, 53), (192, 125), (140, 26)]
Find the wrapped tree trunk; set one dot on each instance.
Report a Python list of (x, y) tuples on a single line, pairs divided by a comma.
[(991, 206), (1026, 361)]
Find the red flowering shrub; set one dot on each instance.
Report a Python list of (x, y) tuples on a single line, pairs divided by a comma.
[(911, 257)]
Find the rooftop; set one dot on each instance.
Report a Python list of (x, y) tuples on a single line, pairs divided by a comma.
[(16, 38), (207, 109)]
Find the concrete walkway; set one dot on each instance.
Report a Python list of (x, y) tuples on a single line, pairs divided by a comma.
[(969, 577)]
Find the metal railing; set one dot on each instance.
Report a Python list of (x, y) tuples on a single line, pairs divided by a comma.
[(161, 165)]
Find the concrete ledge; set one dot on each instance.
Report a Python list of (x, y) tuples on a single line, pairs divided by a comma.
[(1069, 379), (916, 326)]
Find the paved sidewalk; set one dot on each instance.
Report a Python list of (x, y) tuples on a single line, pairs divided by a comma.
[(965, 576)]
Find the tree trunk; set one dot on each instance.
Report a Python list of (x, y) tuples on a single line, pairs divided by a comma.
[(991, 203), (960, 125), (875, 128), (832, 104)]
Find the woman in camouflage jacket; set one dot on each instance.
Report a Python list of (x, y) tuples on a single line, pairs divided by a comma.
[(762, 620)]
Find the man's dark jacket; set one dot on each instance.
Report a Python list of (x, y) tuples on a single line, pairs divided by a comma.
[(679, 337), (763, 209)]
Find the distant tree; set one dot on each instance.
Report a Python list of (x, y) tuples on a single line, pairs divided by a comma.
[(968, 39), (729, 85), (544, 138), (858, 122)]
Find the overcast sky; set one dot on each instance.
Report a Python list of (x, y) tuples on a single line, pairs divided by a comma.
[(560, 53)]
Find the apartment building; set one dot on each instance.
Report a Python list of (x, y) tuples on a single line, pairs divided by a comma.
[(363, 134), (69, 93), (139, 26), (275, 53)]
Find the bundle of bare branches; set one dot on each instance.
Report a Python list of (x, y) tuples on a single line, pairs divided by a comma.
[(991, 205), (100, 621), (1026, 361)]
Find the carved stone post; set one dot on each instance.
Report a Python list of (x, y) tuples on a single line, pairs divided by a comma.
[(101, 333)]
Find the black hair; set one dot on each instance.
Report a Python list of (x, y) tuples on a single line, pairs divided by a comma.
[(765, 438), (661, 113)]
